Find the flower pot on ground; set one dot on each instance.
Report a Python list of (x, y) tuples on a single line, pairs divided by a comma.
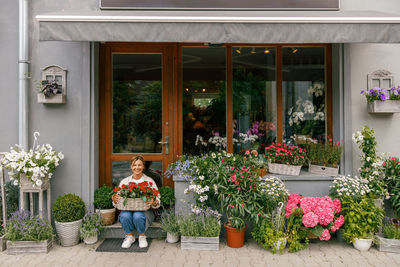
[(26, 233), (169, 223), (68, 211), (234, 236), (103, 202), (200, 232), (389, 241), (362, 244), (362, 218), (90, 228), (284, 159)]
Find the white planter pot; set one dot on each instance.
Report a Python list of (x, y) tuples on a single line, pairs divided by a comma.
[(387, 106), (91, 240), (68, 232), (284, 169), (326, 171), (172, 238), (281, 241), (362, 244)]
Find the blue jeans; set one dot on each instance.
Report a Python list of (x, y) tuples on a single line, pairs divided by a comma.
[(133, 219)]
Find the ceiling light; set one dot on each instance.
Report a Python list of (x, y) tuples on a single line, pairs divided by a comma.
[(266, 51), (204, 89), (238, 50), (253, 51), (187, 89), (294, 50)]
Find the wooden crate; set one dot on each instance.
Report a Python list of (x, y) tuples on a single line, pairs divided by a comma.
[(387, 106), (326, 171), (200, 243), (388, 245), (3, 243), (22, 247)]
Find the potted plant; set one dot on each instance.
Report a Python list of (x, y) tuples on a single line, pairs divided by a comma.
[(68, 211), (256, 161), (284, 159), (169, 223), (391, 169), (167, 197), (319, 215), (103, 203), (271, 233), (91, 227), (272, 192), (26, 233), (11, 199), (135, 196), (324, 158), (363, 219), (389, 241), (32, 168), (381, 100), (200, 231)]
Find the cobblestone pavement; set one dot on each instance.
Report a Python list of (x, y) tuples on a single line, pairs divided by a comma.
[(321, 253)]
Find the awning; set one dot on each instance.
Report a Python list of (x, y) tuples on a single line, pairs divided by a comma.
[(221, 26)]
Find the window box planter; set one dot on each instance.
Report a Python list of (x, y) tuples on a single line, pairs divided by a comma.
[(326, 171), (284, 169), (22, 247), (387, 106), (54, 99), (200, 243), (388, 245), (3, 243)]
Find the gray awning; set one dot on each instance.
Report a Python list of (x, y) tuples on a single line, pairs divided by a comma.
[(222, 26)]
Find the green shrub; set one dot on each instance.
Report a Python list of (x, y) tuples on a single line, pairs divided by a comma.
[(169, 222), (390, 231), (196, 226), (102, 197), (68, 208), (167, 196), (12, 198)]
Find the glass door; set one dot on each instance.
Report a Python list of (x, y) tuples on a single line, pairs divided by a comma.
[(136, 112)]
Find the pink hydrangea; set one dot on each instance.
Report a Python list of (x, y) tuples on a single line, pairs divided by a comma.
[(307, 204), (324, 210), (310, 219), (294, 198), (325, 235), (338, 222), (337, 205), (289, 208)]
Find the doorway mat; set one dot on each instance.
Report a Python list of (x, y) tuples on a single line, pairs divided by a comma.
[(114, 245)]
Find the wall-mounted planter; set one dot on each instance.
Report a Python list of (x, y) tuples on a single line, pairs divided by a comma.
[(387, 106), (54, 99), (326, 171)]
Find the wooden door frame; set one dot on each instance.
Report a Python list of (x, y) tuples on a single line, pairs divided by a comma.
[(106, 156)]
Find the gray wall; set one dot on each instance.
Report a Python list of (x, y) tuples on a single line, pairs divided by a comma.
[(8, 74)]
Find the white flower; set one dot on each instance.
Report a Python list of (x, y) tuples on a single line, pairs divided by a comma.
[(213, 155), (201, 177), (39, 182)]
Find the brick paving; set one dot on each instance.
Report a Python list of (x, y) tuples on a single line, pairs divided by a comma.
[(320, 253)]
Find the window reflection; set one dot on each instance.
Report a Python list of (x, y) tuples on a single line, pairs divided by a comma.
[(254, 97)]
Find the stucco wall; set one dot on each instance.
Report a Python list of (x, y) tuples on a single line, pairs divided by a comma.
[(364, 59), (8, 74)]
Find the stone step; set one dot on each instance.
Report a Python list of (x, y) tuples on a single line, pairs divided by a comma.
[(115, 231)]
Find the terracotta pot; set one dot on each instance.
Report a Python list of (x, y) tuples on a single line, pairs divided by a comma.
[(234, 237)]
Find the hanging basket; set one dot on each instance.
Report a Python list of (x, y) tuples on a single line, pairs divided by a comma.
[(132, 204), (284, 169)]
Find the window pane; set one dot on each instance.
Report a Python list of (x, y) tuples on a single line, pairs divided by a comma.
[(121, 169), (137, 103), (254, 97), (304, 92), (204, 99)]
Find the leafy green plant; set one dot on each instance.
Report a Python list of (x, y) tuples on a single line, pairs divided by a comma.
[(167, 196), (23, 226), (102, 197), (390, 231), (196, 226), (68, 208), (327, 154), (272, 191), (297, 234), (391, 168), (169, 222), (91, 225), (12, 198), (362, 218)]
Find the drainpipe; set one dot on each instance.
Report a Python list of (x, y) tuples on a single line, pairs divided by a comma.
[(23, 74)]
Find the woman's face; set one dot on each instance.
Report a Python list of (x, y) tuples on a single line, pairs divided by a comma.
[(137, 167)]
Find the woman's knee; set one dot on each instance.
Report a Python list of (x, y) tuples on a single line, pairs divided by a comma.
[(139, 215), (125, 216)]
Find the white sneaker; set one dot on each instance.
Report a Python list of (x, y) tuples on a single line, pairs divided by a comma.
[(142, 241), (128, 241)]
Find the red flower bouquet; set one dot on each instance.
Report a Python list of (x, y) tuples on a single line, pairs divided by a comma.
[(284, 154), (143, 191), (318, 214)]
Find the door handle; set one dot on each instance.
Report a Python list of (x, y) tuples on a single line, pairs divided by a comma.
[(166, 143)]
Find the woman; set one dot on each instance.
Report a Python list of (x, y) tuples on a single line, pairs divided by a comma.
[(136, 219)]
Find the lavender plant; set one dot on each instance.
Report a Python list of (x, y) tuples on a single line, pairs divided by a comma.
[(91, 225)]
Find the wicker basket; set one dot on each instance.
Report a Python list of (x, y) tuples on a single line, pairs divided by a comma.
[(132, 204), (284, 169)]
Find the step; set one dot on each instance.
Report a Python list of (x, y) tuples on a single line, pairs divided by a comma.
[(115, 231)]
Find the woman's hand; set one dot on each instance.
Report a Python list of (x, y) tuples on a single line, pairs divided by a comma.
[(116, 198), (152, 202)]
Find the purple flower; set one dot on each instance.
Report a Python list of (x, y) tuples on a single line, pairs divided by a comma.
[(362, 92)]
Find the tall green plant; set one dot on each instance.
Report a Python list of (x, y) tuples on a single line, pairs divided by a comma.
[(102, 197), (68, 208)]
